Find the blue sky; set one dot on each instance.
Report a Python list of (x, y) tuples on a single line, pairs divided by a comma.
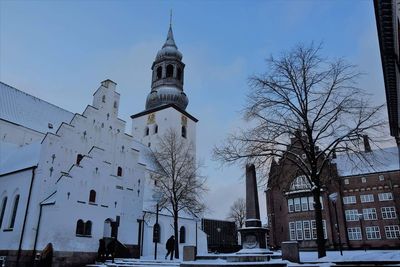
[(60, 51)]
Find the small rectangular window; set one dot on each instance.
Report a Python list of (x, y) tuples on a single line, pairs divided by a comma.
[(346, 181), (363, 180), (290, 205), (292, 231), (381, 177)]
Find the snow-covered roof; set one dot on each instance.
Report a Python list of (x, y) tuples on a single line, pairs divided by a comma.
[(381, 160), (26, 110), (14, 158)]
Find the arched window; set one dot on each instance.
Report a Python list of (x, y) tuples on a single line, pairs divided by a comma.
[(170, 71), (146, 131), (184, 131), (79, 157), (14, 212), (115, 104), (103, 99), (179, 74), (156, 233), (3, 209), (159, 72), (155, 129), (92, 196), (119, 171), (79, 227), (88, 228), (182, 235)]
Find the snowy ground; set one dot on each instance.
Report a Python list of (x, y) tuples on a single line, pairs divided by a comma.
[(305, 257)]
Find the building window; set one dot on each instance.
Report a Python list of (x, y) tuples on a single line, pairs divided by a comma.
[(79, 157), (385, 196), (292, 231), (159, 72), (381, 177), (297, 206), (363, 180), (367, 198), (304, 204), (184, 131), (103, 99), (14, 212), (115, 104), (299, 230), (346, 181), (369, 214), (170, 71), (3, 209), (290, 205), (388, 213), (373, 232), (349, 200), (80, 226), (119, 171), (88, 228), (146, 131), (351, 215), (354, 233), (155, 129), (83, 229), (92, 196), (307, 230), (300, 183), (182, 235), (392, 231)]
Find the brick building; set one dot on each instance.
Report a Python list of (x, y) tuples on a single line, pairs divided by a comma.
[(364, 196)]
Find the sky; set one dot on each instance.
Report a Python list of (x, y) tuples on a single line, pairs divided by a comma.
[(60, 51)]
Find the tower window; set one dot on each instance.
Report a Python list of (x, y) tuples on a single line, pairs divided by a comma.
[(115, 104), (146, 131), (184, 131), (170, 71), (159, 72), (155, 128), (179, 74), (119, 171), (92, 196), (103, 99)]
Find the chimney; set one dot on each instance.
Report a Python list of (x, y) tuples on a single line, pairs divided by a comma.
[(367, 146)]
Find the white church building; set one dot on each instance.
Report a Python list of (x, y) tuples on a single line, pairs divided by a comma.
[(71, 179)]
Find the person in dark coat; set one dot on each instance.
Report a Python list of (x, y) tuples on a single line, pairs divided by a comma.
[(46, 257), (170, 246), (101, 252)]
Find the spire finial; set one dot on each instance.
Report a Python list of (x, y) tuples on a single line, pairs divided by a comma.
[(170, 18)]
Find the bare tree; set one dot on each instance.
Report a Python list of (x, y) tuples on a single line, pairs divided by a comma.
[(312, 99), (177, 178), (237, 212)]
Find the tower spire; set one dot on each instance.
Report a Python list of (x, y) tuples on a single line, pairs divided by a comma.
[(170, 18)]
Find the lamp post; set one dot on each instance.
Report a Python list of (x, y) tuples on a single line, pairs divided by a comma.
[(156, 230), (333, 198)]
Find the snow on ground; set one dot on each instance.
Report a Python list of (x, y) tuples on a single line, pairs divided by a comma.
[(352, 255)]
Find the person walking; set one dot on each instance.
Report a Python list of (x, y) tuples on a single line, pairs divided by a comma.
[(170, 246)]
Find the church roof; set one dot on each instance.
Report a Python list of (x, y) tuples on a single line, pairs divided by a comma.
[(26, 110), (148, 111), (381, 160), (14, 158)]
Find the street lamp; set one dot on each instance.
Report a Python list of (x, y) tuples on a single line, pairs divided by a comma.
[(333, 197), (156, 230), (360, 217)]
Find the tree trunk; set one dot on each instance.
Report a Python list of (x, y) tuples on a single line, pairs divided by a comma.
[(319, 225), (176, 235)]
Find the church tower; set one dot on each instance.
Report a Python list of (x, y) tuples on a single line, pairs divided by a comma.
[(166, 103)]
